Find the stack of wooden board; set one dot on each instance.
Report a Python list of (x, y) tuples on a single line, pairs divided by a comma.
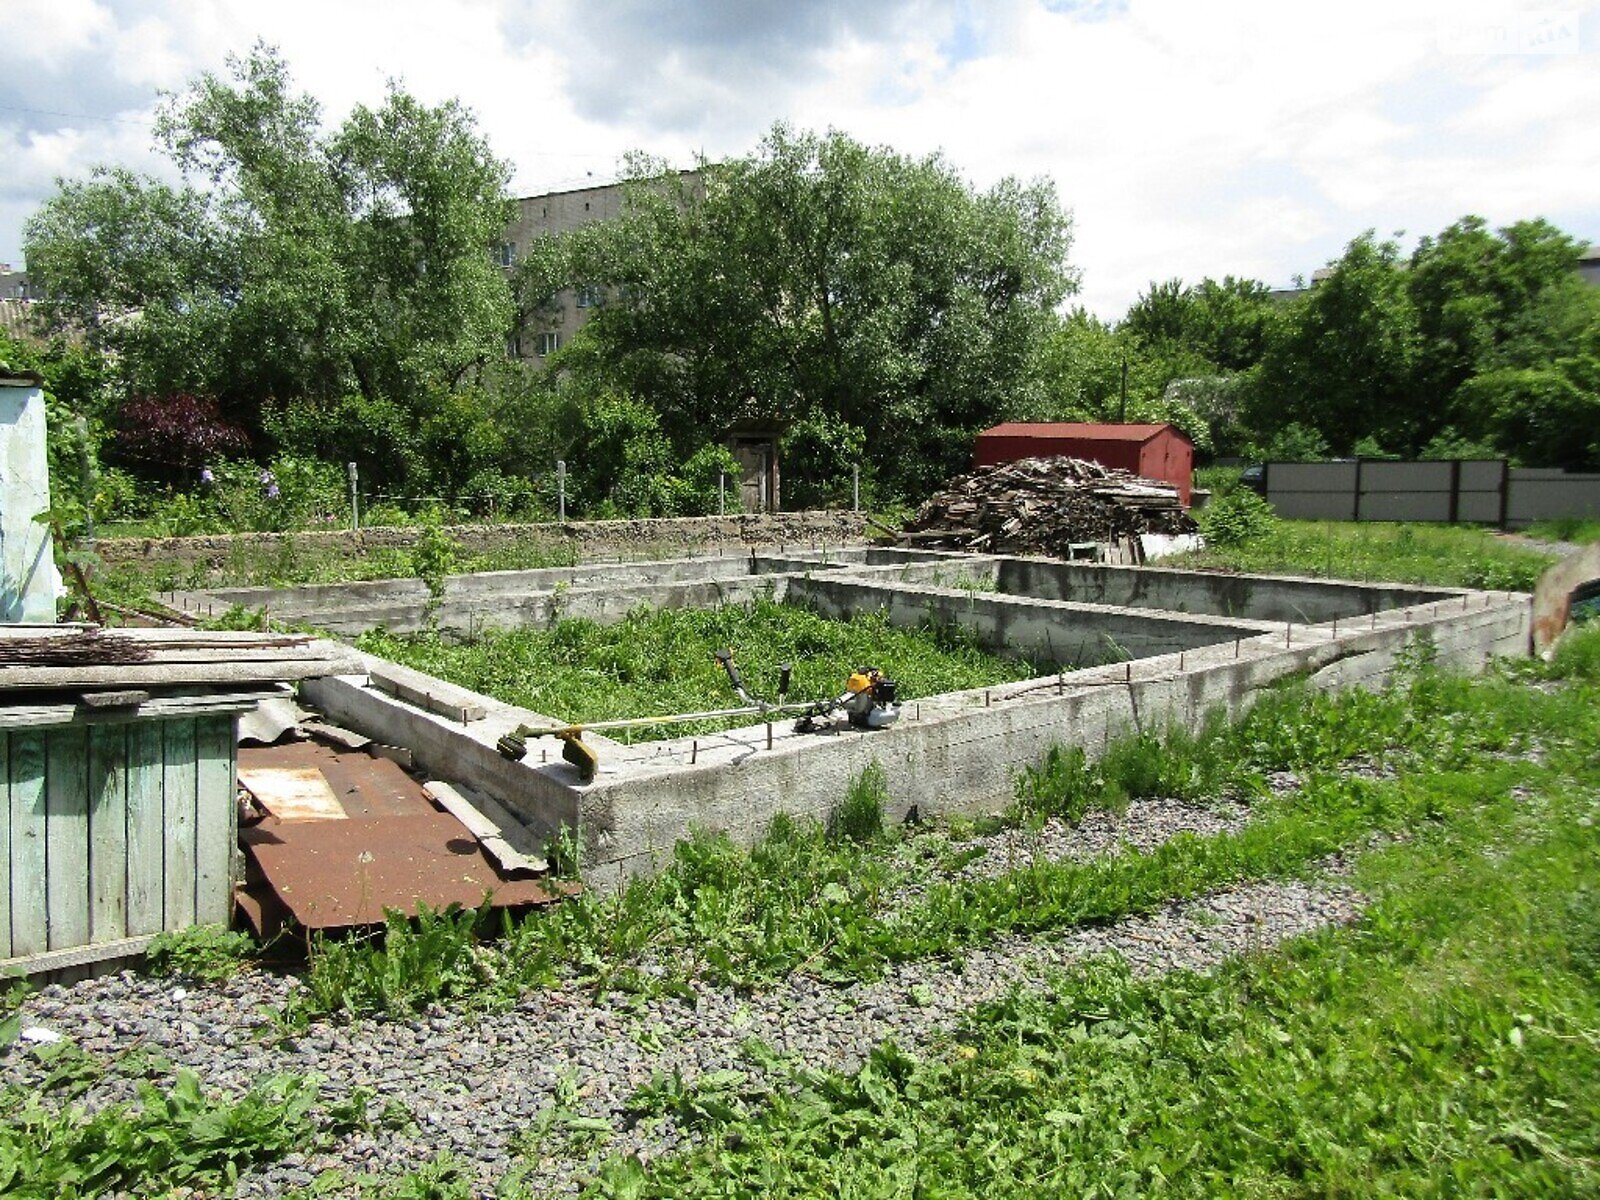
[(89, 657), (1046, 506)]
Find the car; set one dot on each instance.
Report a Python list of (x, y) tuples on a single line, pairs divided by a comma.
[(1254, 477)]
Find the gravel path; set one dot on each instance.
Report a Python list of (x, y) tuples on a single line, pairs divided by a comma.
[(474, 1083)]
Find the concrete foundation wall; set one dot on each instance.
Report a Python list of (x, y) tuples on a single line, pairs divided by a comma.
[(572, 541), (1252, 597), (953, 753), (1040, 630)]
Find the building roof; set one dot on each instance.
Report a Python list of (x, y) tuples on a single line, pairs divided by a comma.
[(1083, 431)]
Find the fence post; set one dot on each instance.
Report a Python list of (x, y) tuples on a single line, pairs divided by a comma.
[(855, 487), (86, 469), (1455, 490), (355, 510), (1359, 464), (561, 489), (722, 493), (1505, 491)]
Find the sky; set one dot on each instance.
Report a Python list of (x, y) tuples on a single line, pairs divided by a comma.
[(1187, 139)]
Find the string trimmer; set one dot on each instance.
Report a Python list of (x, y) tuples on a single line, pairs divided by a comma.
[(869, 701)]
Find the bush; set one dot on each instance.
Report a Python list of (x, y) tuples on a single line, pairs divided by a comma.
[(170, 437), (1237, 518)]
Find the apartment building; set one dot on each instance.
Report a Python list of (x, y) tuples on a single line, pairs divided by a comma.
[(554, 213)]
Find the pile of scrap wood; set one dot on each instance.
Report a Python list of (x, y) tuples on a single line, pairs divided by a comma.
[(1045, 506)]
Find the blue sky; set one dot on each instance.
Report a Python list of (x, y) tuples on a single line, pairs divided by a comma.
[(1187, 139)]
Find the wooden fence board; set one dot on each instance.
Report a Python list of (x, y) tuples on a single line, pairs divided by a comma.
[(179, 809), (216, 819), (108, 832), (30, 930), (146, 829), (5, 845), (67, 836)]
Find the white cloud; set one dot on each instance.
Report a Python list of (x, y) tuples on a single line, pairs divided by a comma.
[(49, 31), (1244, 137)]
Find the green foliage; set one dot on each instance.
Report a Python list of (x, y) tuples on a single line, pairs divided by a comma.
[(859, 816), (297, 262), (1577, 654), (434, 555), (1236, 518), (1445, 1043), (822, 278), (207, 952), (177, 1138), (413, 963)]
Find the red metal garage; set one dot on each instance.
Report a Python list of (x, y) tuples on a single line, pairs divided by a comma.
[(1154, 451)]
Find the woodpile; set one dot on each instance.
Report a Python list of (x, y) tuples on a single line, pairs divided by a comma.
[(1046, 506)]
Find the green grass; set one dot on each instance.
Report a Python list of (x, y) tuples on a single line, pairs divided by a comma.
[(1448, 1044), (1446, 555), (1581, 530), (659, 661)]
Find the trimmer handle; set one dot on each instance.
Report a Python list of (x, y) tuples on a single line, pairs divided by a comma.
[(725, 657)]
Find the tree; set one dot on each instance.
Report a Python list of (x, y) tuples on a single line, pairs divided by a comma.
[(294, 265), (820, 278), (1471, 288), (1223, 322), (1341, 361)]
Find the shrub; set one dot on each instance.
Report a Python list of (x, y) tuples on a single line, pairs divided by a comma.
[(173, 436), (1236, 518)]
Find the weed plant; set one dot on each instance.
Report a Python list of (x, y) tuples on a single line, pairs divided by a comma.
[(168, 1139), (1452, 556)]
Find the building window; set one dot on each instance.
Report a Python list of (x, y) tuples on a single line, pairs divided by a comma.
[(549, 343), (591, 297), (507, 256), (514, 346)]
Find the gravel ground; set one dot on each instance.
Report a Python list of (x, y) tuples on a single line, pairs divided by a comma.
[(474, 1083)]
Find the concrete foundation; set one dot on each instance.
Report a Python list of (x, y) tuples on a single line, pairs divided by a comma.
[(1126, 648)]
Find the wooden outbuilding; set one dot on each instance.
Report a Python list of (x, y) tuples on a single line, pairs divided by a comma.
[(1154, 451)]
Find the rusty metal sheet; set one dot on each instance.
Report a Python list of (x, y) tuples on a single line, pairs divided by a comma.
[(329, 874), (365, 786)]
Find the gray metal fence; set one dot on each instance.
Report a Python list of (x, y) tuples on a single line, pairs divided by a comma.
[(1484, 491)]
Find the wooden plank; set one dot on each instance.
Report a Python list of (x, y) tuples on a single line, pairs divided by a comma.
[(34, 716), (77, 956), (146, 829), (173, 674), (489, 835), (66, 788), (439, 701), (178, 792), (108, 833), (5, 844), (30, 928), (216, 820)]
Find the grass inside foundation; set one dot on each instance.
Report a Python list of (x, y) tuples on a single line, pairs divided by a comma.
[(660, 661)]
